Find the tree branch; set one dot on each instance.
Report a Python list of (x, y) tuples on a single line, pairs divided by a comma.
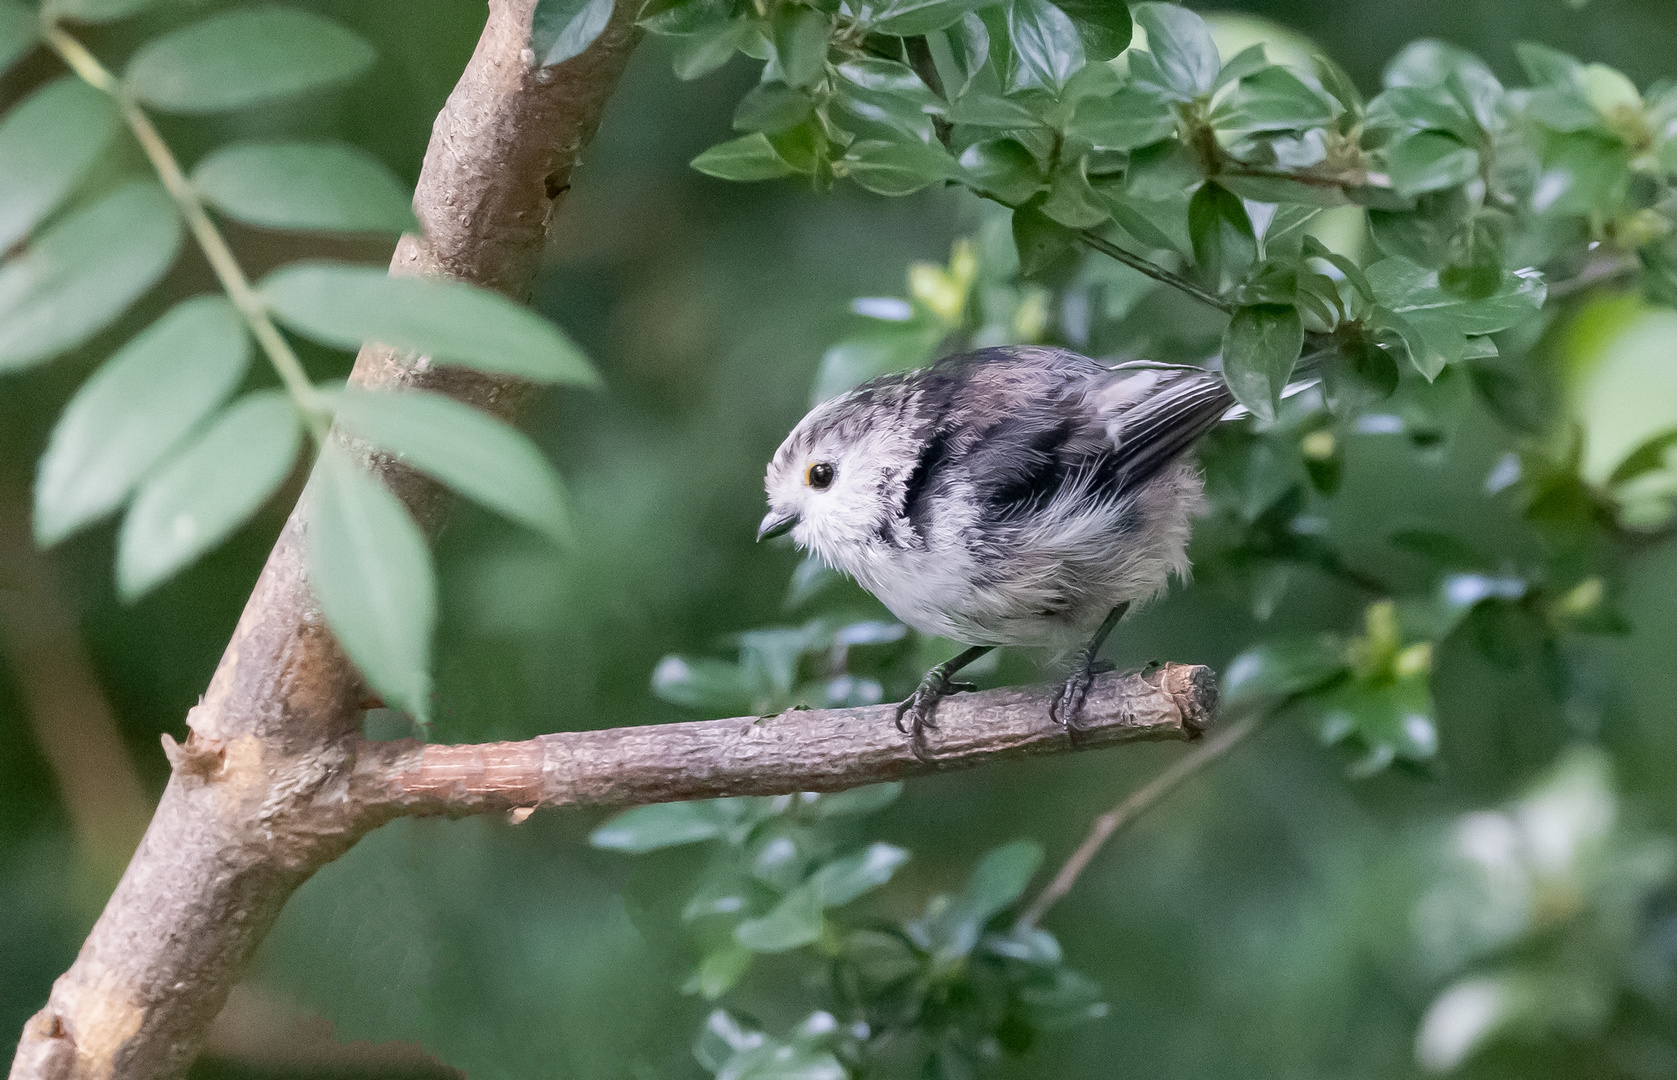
[(798, 750), (1154, 270), (219, 860)]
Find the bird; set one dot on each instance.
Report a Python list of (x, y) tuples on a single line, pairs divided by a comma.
[(1011, 496)]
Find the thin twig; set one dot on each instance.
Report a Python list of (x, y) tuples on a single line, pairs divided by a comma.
[(1154, 271), (1595, 272), (1138, 803), (309, 400)]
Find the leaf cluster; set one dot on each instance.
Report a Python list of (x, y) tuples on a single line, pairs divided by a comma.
[(943, 993), (176, 430)]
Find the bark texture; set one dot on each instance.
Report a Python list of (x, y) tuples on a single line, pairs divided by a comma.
[(813, 750), (219, 860)]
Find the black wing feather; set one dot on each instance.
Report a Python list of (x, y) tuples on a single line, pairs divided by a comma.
[(1162, 428), (1018, 454)]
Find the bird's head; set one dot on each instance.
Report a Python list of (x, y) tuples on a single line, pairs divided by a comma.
[(837, 480)]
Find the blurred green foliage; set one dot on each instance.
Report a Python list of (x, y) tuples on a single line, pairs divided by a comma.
[(1505, 908)]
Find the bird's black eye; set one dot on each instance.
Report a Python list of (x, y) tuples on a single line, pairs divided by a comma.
[(819, 476)]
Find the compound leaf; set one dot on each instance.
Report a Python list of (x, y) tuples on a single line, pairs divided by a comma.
[(207, 490), (244, 57), (135, 409), (450, 321), (372, 573)]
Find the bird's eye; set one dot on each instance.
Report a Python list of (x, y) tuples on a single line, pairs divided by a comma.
[(819, 476)]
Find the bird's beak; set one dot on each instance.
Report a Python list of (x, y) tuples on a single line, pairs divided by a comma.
[(775, 524)]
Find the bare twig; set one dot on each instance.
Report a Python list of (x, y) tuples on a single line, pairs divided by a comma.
[(1155, 271), (1138, 802), (1597, 271), (809, 750)]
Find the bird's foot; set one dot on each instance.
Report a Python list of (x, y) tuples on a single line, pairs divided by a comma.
[(917, 712), (1067, 707)]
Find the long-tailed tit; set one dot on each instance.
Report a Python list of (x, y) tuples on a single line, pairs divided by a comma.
[(1010, 496)]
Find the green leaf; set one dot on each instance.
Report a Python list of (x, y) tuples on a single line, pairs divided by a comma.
[(999, 879), (1003, 168), (800, 43), (708, 686), (471, 452), (898, 168), (1435, 322), (1047, 49), (662, 825), (772, 106), (1583, 173), (95, 11), (687, 17), (843, 880), (1280, 669), (1430, 161), (1247, 61), (1181, 46), (328, 186), (561, 29), (449, 321), (134, 409), (979, 109), (911, 18), (1353, 273), (20, 30), (206, 490), (884, 117), (861, 800), (1103, 25), (1390, 720), (80, 274), (889, 77), (47, 144), (749, 157), (1271, 99), (719, 970), (244, 57), (1224, 245), (1071, 201), (1548, 67), (1260, 347), (1127, 119), (1042, 242), (702, 53), (371, 571), (1357, 374), (795, 921)]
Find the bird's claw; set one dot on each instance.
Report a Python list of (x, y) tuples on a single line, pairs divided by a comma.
[(1066, 709), (919, 709)]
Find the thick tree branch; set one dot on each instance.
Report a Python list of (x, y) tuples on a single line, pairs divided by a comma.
[(219, 860)]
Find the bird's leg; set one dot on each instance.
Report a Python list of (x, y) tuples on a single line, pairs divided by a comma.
[(1067, 707), (919, 706)]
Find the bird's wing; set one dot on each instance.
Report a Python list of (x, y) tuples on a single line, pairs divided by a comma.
[(1161, 422), (1014, 429)]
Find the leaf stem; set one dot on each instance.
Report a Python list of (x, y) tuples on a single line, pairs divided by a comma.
[(1154, 270), (1138, 803), (309, 400)]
